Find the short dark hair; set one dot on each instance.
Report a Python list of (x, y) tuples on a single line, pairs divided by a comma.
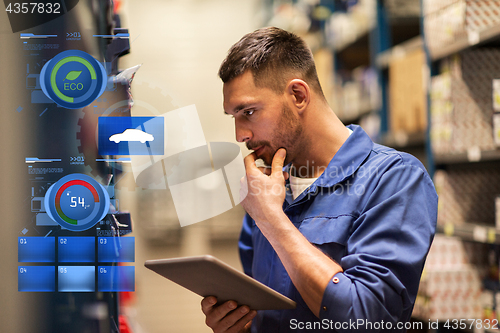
[(274, 56)]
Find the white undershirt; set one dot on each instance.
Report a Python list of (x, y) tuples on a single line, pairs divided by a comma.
[(299, 185)]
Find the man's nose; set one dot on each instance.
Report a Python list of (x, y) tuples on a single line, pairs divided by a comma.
[(243, 133)]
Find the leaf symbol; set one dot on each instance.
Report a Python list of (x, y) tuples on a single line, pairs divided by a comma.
[(73, 75)]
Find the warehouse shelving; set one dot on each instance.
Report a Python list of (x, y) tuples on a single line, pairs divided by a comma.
[(475, 232), (472, 155), (373, 49), (384, 58), (353, 119), (473, 38), (360, 38), (405, 140), (472, 161)]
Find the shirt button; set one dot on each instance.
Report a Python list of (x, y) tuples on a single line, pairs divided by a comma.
[(335, 280), (324, 308)]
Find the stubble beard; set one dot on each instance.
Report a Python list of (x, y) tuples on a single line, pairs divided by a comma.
[(288, 136)]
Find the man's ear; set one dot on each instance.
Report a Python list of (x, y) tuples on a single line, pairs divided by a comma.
[(300, 93)]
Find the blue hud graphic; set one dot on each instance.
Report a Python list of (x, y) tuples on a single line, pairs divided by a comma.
[(131, 135), (73, 79)]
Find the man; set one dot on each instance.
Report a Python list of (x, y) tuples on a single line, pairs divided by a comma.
[(347, 234)]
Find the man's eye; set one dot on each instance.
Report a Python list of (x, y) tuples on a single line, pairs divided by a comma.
[(248, 112)]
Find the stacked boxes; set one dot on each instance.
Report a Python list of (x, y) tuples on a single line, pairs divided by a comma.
[(444, 25), (472, 76), (497, 212), (358, 95), (450, 253), (461, 102), (451, 285), (482, 14), (467, 194), (496, 115), (345, 28), (441, 113), (447, 21), (403, 8), (432, 6), (490, 301), (450, 294), (408, 111)]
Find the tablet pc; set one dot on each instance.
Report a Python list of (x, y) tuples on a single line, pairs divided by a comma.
[(208, 276)]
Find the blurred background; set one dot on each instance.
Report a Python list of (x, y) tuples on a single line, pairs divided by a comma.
[(422, 76)]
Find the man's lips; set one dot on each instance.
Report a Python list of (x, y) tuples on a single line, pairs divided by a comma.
[(258, 150)]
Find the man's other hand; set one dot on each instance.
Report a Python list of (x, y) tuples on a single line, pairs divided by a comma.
[(227, 317)]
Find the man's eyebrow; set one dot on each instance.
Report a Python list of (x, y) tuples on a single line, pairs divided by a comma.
[(240, 107)]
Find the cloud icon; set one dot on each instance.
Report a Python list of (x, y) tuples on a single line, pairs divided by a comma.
[(132, 134)]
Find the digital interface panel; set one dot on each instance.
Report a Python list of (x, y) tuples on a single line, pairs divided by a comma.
[(76, 249), (37, 278), (113, 249), (76, 278), (116, 278), (73, 197), (66, 75), (36, 249)]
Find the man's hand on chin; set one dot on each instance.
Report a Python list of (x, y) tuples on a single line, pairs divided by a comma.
[(264, 193)]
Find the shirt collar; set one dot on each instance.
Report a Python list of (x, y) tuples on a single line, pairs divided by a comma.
[(347, 160)]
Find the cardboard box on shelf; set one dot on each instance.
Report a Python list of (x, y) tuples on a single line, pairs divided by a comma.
[(323, 59), (497, 212), (462, 106), (356, 95), (472, 75), (451, 293), (441, 114), (451, 285), (489, 305), (448, 253), (431, 6), (482, 14), (445, 25), (343, 28), (448, 21), (467, 194), (403, 8), (408, 111), (496, 129)]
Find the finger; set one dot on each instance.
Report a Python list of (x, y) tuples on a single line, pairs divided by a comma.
[(278, 160), (228, 322), (218, 313), (240, 324), (207, 304), (286, 175), (250, 166), (250, 161)]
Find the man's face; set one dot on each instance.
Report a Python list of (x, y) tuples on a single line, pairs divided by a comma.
[(263, 120)]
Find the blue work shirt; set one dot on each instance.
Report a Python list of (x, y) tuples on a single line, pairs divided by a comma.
[(373, 210)]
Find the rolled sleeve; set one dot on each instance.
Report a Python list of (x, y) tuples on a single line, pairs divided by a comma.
[(334, 305), (343, 299)]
